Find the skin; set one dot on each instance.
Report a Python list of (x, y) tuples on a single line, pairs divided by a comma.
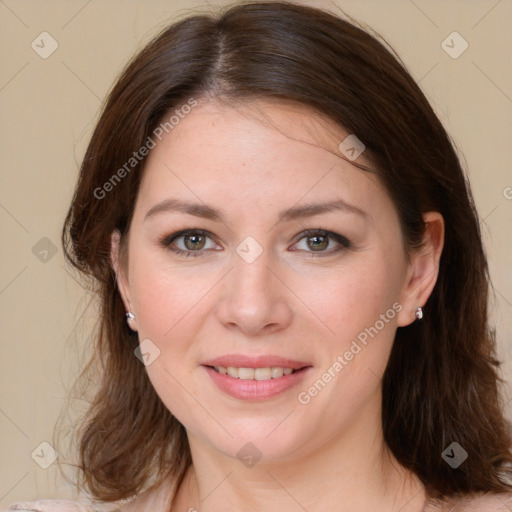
[(251, 162)]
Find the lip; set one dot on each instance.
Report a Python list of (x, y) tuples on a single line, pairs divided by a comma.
[(255, 389), (242, 361)]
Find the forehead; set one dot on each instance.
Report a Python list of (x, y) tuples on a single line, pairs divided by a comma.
[(242, 127), (265, 152)]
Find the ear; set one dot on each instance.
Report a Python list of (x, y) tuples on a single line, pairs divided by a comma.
[(121, 276), (423, 269)]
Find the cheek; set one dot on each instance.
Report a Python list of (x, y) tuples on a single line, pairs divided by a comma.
[(356, 297), (165, 298), (167, 303), (359, 310)]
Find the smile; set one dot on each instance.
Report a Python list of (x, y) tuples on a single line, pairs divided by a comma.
[(246, 383), (274, 372)]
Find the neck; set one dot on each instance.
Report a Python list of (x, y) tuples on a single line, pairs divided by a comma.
[(354, 471)]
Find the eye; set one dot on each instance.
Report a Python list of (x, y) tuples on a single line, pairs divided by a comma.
[(320, 239), (194, 241)]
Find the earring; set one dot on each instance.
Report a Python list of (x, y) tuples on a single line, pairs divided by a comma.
[(129, 318), (419, 313)]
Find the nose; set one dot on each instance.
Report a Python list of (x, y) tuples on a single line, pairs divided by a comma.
[(254, 297)]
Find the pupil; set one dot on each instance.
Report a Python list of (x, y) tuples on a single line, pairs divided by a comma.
[(317, 238), (195, 241)]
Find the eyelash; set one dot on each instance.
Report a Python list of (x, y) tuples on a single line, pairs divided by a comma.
[(343, 241)]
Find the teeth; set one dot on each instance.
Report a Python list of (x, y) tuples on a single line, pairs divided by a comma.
[(232, 372), (244, 373), (275, 372)]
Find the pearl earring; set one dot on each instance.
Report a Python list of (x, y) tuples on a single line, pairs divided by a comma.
[(129, 318), (419, 313)]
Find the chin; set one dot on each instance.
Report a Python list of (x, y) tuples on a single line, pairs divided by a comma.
[(254, 441)]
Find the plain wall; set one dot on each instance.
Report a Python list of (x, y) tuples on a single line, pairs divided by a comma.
[(48, 110)]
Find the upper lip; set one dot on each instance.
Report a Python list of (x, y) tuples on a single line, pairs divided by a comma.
[(264, 361)]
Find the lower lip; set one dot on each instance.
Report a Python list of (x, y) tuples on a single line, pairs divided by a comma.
[(255, 389)]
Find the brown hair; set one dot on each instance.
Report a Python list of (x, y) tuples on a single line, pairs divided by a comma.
[(441, 382)]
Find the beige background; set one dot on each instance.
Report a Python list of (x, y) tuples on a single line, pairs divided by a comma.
[(48, 109)]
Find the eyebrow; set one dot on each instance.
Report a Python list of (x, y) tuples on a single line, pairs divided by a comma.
[(296, 212)]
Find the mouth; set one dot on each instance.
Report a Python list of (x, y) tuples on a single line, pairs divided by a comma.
[(259, 378), (249, 373), (255, 362)]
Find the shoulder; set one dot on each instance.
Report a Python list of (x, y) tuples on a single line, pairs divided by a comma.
[(478, 502), (50, 505), (153, 500)]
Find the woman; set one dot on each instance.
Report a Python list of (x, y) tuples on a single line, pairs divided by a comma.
[(292, 281)]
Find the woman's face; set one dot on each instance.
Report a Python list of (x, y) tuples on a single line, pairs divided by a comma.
[(254, 290)]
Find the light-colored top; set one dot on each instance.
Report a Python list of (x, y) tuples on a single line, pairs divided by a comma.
[(482, 502), (50, 505)]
